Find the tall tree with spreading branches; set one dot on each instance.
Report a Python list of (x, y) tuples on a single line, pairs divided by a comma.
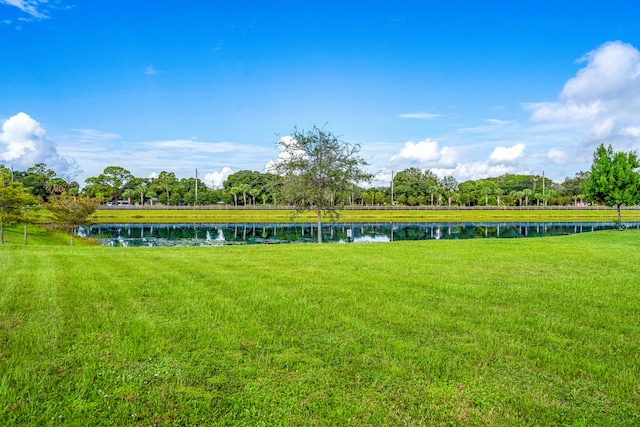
[(69, 212), (318, 171), (614, 179)]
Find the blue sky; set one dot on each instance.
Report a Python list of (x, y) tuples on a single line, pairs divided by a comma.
[(464, 88)]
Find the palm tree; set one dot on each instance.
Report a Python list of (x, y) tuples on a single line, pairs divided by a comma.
[(142, 190), (498, 192), (234, 191), (433, 189), (526, 193), (451, 194), (254, 192), (519, 195), (244, 188), (129, 193), (486, 191), (56, 186)]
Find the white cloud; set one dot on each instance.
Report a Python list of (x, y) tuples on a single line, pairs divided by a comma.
[(478, 170), (558, 157), (426, 153), (150, 71), (34, 8), (633, 131), (603, 99), (216, 179), (95, 150), (611, 70), (497, 122), (23, 143), (92, 135), (423, 116), (195, 146), (19, 136), (509, 155), (285, 143)]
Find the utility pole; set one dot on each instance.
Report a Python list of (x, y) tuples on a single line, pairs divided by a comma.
[(392, 195)]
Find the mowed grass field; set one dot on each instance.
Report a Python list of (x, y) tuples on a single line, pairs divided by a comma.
[(474, 333), (381, 215)]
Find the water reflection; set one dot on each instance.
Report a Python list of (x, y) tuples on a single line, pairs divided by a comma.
[(261, 233)]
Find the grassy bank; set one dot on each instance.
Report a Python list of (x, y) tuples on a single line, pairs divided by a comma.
[(384, 215), (476, 332), (40, 235)]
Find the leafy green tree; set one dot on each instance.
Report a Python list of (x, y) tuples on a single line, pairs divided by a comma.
[(111, 183), (164, 185), (69, 212), (614, 179), (572, 189), (14, 197), (415, 184), (37, 179), (318, 171)]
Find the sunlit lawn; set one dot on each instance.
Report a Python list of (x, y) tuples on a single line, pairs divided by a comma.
[(478, 332), (382, 215)]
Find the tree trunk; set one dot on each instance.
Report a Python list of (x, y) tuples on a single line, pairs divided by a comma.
[(619, 219), (24, 230), (1, 232), (319, 211), (71, 241)]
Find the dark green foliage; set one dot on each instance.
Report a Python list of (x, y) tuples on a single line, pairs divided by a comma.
[(38, 178), (110, 184), (614, 180), (319, 172), (251, 187)]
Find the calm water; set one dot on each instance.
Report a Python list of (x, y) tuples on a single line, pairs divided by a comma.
[(233, 234)]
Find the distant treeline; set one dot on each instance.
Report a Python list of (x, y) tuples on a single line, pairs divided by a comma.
[(410, 187)]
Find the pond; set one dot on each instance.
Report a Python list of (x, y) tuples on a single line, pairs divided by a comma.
[(263, 233)]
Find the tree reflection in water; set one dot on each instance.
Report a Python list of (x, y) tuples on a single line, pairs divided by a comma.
[(262, 233)]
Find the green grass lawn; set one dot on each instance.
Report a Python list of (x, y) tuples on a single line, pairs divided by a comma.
[(383, 215), (38, 235), (477, 332)]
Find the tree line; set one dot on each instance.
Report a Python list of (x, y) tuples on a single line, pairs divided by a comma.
[(410, 187), (319, 173)]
